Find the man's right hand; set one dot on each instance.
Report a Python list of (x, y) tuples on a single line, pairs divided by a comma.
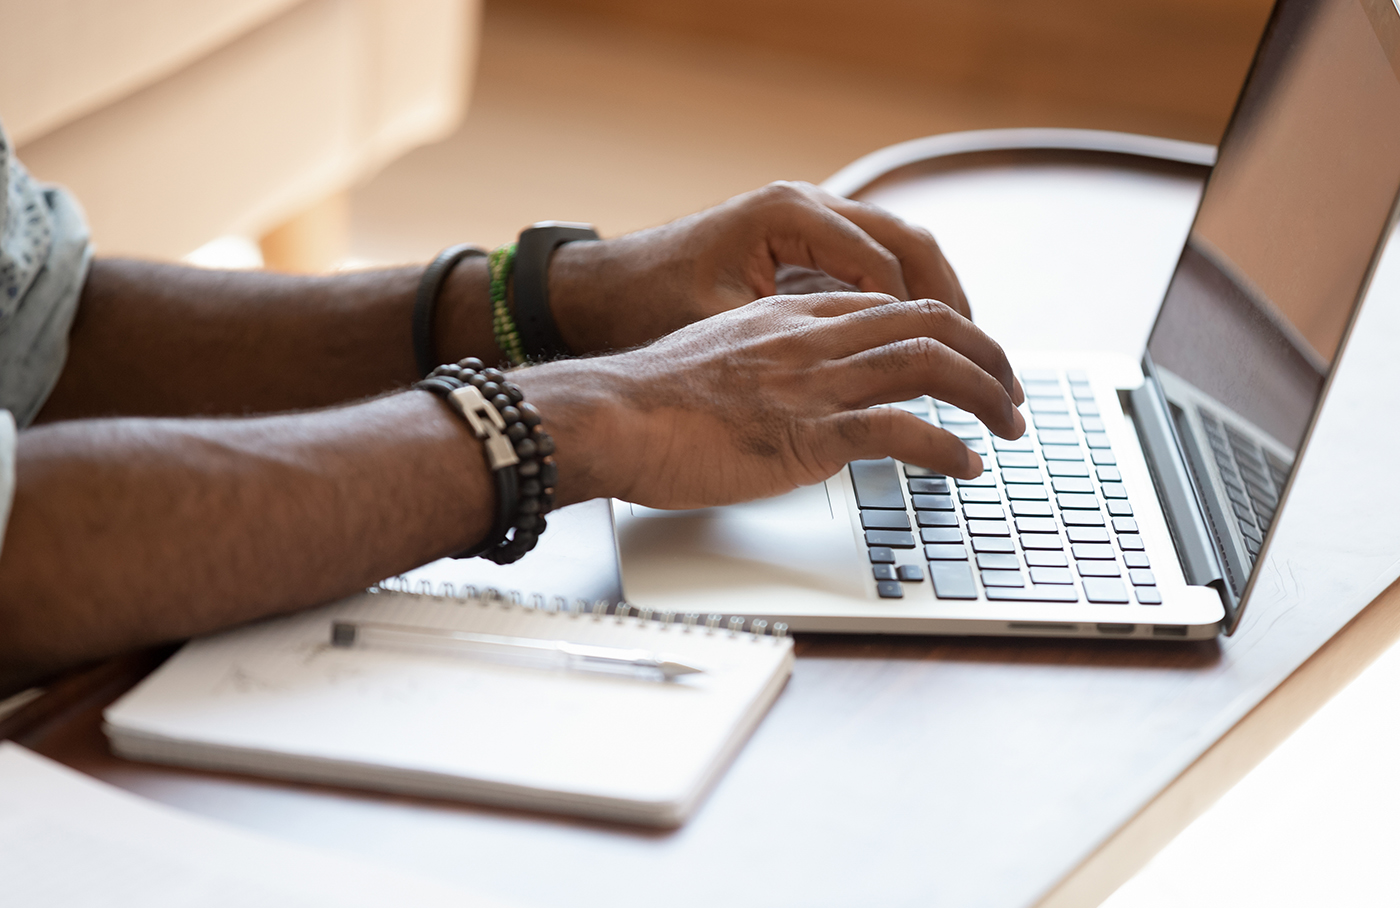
[(774, 395)]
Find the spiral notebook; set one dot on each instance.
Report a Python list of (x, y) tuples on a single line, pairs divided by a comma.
[(277, 699)]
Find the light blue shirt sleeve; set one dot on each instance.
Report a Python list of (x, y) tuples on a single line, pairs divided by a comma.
[(44, 257)]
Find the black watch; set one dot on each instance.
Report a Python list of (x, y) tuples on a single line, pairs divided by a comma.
[(539, 335)]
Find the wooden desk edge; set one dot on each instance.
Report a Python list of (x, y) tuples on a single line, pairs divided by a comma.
[(1335, 664)]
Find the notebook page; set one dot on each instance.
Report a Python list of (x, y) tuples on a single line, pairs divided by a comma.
[(280, 687), (70, 841)]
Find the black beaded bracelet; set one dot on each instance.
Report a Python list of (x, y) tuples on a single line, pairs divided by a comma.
[(518, 450)]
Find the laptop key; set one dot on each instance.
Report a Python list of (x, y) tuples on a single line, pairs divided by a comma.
[(1097, 440), (1023, 443), (979, 496), (1092, 552), (1124, 525), (1031, 509), (986, 480), (1251, 533), (1115, 490), (998, 561), (910, 573), (884, 572), (1140, 577), (877, 484), (1087, 534), (1021, 477), (1061, 420), (1077, 502), (1105, 589), (1037, 525), (952, 580), (1108, 474), (1046, 559), (1067, 468), (1082, 518), (914, 472), (1130, 542), (1072, 485), (1002, 578), (891, 538), (1051, 575), (1048, 405), (940, 535), (1017, 459), (1043, 541), (1103, 457), (1149, 595), (1135, 559), (1057, 436), (1027, 492), (945, 552), (1119, 507), (929, 486), (987, 528), (1086, 407), (936, 518), (884, 520), (992, 544), (1098, 568), (984, 512), (889, 589), (932, 502), (1034, 593), (1062, 452), (881, 554)]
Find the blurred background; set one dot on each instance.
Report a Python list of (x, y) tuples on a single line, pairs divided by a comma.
[(326, 131), (320, 134)]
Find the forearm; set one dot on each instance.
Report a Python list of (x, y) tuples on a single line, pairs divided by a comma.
[(130, 532), (167, 340)]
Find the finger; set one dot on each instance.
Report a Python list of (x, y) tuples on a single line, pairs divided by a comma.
[(805, 232), (925, 268), (888, 432), (875, 326), (839, 303), (922, 365)]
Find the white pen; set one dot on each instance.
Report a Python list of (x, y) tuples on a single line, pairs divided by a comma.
[(515, 650)]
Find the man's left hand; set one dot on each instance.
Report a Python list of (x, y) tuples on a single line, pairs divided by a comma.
[(618, 293)]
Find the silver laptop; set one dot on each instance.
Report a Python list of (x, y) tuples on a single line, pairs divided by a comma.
[(1140, 499)]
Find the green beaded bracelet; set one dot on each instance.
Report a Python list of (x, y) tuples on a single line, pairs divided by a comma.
[(501, 261)]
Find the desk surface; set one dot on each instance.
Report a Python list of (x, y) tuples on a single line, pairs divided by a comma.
[(907, 771)]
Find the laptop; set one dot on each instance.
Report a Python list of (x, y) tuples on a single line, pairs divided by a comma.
[(1140, 500)]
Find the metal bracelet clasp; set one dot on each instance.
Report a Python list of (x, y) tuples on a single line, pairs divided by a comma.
[(486, 423)]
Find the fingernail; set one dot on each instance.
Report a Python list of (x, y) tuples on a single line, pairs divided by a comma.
[(1019, 422)]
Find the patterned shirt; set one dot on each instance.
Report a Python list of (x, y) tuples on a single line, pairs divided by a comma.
[(44, 256)]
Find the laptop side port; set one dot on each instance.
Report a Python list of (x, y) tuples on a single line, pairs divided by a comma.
[(1169, 630), (1117, 628)]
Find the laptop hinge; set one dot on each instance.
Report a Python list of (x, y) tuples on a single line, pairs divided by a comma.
[(1194, 545)]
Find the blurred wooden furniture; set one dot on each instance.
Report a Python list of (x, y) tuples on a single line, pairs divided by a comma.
[(1166, 67), (175, 122), (901, 771)]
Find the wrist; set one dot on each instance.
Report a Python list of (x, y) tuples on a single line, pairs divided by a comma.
[(578, 401)]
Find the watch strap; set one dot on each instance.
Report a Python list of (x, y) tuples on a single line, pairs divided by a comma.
[(539, 333)]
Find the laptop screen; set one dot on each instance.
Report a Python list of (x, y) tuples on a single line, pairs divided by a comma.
[(1280, 252)]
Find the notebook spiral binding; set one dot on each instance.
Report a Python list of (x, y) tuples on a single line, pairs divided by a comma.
[(579, 607)]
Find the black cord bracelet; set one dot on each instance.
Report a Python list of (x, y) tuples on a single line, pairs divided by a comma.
[(518, 450), (425, 301)]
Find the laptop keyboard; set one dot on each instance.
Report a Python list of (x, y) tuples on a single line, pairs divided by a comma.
[(1048, 521), (1252, 476)]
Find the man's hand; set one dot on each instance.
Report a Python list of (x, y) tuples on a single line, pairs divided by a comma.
[(774, 395), (614, 294)]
